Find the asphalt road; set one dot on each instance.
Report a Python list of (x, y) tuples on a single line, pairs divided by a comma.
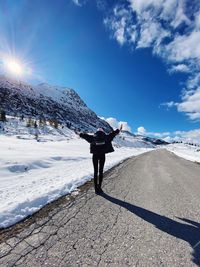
[(149, 215)]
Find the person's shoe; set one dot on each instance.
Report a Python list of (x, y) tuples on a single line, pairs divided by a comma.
[(97, 191), (100, 191)]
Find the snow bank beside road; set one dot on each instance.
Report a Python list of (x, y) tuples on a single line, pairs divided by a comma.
[(33, 174), (185, 151)]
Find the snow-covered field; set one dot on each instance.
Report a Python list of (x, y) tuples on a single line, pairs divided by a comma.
[(185, 151), (33, 173)]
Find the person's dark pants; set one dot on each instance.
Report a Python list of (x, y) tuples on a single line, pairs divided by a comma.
[(98, 163)]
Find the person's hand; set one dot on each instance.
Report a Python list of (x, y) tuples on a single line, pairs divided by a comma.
[(76, 132), (121, 126)]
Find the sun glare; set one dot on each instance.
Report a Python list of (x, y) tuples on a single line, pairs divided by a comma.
[(14, 67), (18, 67)]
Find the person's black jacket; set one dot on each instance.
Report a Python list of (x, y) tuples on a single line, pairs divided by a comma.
[(100, 143)]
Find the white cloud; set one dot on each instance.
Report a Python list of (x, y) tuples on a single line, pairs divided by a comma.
[(173, 33), (197, 21), (186, 136), (191, 105), (80, 2), (119, 34), (141, 6), (169, 104), (180, 16), (168, 10), (76, 2), (151, 32), (193, 81), (183, 47), (119, 24), (173, 11), (141, 130), (114, 123), (179, 68)]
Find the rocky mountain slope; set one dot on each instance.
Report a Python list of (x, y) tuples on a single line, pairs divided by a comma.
[(50, 102)]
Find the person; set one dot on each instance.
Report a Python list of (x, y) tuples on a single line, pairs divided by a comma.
[(100, 144)]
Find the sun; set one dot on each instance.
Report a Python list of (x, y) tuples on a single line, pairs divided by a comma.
[(18, 67), (14, 67)]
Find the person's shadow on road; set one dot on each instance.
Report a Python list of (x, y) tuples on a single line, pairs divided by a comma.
[(189, 231)]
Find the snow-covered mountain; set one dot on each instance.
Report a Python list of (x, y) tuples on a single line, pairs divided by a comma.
[(55, 103), (50, 102), (154, 141), (128, 139)]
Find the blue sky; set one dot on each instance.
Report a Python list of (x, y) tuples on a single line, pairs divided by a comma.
[(134, 60)]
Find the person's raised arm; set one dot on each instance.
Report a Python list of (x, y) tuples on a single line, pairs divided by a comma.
[(87, 137), (112, 135)]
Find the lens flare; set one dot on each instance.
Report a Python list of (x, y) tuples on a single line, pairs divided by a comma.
[(18, 68), (14, 67)]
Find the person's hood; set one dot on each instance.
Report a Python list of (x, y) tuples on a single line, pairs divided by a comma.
[(100, 130), (100, 134)]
